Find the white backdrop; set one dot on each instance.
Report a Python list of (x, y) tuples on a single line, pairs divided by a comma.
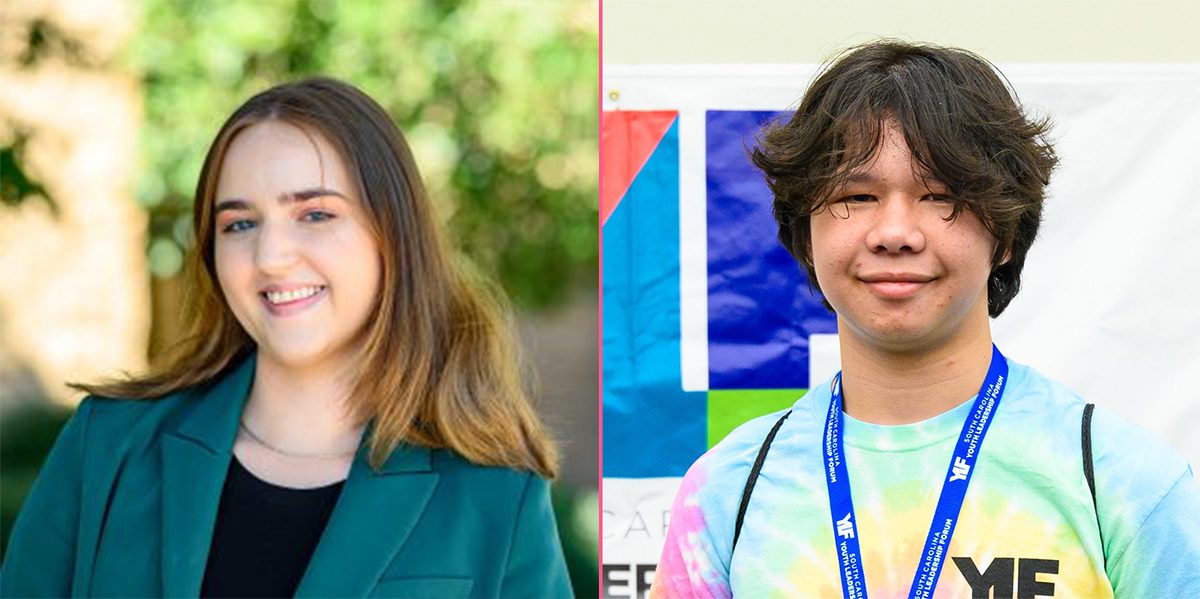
[(1108, 304)]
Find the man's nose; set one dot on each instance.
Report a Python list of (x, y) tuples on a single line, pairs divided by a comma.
[(896, 228)]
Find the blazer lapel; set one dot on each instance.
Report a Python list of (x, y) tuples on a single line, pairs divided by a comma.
[(195, 460), (373, 517)]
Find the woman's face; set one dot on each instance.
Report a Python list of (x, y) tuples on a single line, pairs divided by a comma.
[(294, 254)]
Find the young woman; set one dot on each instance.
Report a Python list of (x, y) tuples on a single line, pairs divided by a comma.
[(345, 417)]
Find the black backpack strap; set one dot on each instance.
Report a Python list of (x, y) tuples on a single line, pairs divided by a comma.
[(1089, 472), (753, 478)]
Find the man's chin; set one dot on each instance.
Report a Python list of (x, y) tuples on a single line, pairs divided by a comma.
[(899, 336)]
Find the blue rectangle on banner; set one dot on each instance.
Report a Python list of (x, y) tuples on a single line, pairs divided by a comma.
[(761, 309)]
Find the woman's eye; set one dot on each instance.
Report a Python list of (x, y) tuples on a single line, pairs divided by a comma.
[(861, 198), (316, 216), (237, 226), (937, 197)]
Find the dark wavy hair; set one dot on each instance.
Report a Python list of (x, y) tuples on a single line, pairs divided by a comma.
[(962, 122)]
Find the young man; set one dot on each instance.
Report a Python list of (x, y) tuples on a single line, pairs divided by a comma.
[(910, 185)]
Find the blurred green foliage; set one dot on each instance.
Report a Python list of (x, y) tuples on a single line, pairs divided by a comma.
[(496, 97)]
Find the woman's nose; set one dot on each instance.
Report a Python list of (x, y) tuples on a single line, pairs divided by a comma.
[(275, 251)]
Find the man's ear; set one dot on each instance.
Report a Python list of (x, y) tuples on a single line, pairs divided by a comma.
[(806, 236), (1007, 256)]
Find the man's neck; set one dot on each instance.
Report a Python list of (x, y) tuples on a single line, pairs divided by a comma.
[(881, 386)]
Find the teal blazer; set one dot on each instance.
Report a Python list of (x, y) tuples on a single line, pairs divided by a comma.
[(126, 502)]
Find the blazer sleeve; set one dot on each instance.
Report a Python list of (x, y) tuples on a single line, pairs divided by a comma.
[(536, 566), (40, 560)]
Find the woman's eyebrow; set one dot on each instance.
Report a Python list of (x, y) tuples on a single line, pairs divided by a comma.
[(308, 194), (284, 198), (231, 204)]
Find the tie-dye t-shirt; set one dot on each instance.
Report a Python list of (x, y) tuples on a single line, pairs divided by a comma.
[(1028, 526)]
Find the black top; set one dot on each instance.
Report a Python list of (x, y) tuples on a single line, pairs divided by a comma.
[(264, 536)]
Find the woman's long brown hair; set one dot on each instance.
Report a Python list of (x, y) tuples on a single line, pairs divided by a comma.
[(439, 365)]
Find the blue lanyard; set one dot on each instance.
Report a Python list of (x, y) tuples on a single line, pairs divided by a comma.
[(954, 487)]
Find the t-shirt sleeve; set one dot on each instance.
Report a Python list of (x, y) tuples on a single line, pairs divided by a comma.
[(1147, 498), (698, 549), (1162, 559), (691, 564)]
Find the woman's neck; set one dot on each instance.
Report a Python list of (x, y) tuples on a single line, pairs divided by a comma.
[(887, 387), (301, 410)]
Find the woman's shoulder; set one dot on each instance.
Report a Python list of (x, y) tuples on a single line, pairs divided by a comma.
[(450, 465), (121, 411), (499, 487), (115, 422), (155, 411)]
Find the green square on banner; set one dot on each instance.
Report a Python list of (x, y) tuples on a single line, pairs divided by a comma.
[(729, 408)]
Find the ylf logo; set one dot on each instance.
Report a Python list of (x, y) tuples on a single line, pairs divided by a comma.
[(959, 470), (845, 528), (998, 579)]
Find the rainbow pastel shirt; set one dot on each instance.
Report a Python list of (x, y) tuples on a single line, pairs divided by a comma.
[(1027, 528)]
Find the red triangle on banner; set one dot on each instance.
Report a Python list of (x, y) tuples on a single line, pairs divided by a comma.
[(627, 138)]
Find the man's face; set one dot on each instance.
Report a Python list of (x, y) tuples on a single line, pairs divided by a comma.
[(901, 277)]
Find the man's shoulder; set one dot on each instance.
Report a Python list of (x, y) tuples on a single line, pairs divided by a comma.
[(735, 454), (1034, 390), (711, 491), (1133, 470), (1125, 446), (1116, 442), (1146, 494), (718, 478)]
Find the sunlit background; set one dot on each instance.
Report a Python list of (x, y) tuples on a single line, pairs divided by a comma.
[(107, 108)]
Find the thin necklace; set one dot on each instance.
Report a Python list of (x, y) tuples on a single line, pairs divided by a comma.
[(260, 441)]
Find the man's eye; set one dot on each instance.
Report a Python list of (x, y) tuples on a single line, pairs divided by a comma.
[(861, 198), (238, 226), (937, 197), (316, 216)]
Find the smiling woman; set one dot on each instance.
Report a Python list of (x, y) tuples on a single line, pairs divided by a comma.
[(300, 272), (330, 425)]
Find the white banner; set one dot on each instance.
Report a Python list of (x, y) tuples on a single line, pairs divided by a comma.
[(1109, 291)]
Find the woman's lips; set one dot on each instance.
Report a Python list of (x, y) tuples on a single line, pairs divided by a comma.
[(292, 306)]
